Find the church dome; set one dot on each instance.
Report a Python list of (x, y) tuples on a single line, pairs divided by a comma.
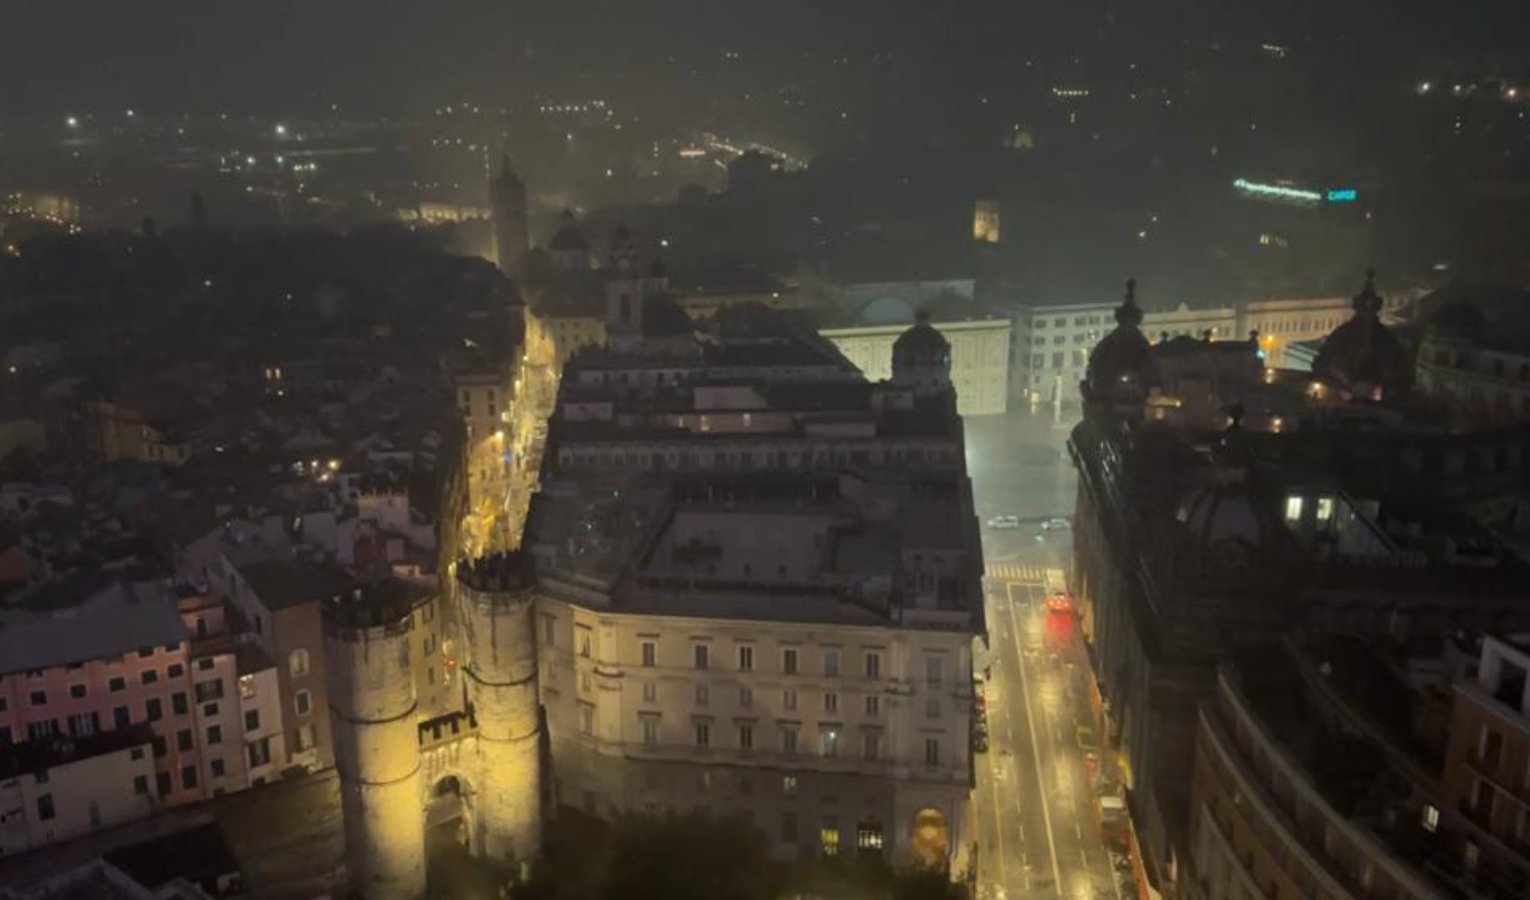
[(568, 237), (1223, 521), (1363, 353), (1123, 358), (922, 345)]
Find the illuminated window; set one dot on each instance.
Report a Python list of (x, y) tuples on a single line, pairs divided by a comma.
[(789, 785), (303, 702), (830, 741), (1293, 509), (1431, 817), (828, 836), (868, 837), (297, 663), (1324, 509)]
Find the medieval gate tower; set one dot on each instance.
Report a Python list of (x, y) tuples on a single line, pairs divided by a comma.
[(389, 753)]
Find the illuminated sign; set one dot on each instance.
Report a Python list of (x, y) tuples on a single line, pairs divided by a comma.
[(1343, 195), (1277, 192)]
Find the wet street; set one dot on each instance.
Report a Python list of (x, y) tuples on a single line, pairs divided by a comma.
[(1036, 824)]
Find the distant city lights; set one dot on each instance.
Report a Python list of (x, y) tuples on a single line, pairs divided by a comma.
[(1277, 191), (72, 122)]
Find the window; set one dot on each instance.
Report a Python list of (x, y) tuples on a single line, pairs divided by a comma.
[(178, 703), (828, 836), (1324, 509), (585, 643), (932, 708), (210, 709), (252, 720), (745, 697), (586, 718), (831, 703), (214, 734), (1431, 820), (160, 748), (650, 654), (932, 751), (871, 745), (148, 676), (789, 661), (39, 698), (873, 706), (650, 730), (789, 785), (932, 669), (205, 663), (828, 740), (831, 662), (302, 701), (121, 717), (216, 766), (699, 653), (789, 742), (868, 837), (549, 630), (43, 728), (746, 736), (297, 663), (703, 734), (175, 670), (746, 658), (162, 782), (140, 784), (153, 709), (703, 695), (183, 740), (260, 753), (789, 699), (116, 683), (77, 691), (650, 692), (210, 690), (188, 777), (45, 807), (873, 666), (145, 652), (1293, 509)]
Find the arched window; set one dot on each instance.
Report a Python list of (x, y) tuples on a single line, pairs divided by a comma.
[(297, 663)]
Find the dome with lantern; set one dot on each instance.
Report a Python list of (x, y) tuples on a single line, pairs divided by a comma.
[(921, 356), (1121, 366), (1362, 355)]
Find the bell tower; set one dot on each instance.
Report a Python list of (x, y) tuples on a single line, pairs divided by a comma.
[(507, 201)]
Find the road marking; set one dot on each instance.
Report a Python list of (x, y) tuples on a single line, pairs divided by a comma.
[(1013, 572), (1078, 830), (1030, 721), (1083, 857)]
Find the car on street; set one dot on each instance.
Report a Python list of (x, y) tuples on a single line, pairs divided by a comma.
[(1004, 523), (1059, 603), (1055, 524)]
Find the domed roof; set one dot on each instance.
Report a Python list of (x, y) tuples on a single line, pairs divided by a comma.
[(921, 345), (568, 236), (1363, 352), (1123, 357), (1224, 521)]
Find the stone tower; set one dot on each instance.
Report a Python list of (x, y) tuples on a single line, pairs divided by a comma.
[(624, 293), (498, 641), (376, 735), (507, 202)]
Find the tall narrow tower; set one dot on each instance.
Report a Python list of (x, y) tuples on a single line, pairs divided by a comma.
[(507, 200), (377, 749), (500, 665)]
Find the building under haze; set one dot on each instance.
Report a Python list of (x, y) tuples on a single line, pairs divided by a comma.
[(1225, 506)]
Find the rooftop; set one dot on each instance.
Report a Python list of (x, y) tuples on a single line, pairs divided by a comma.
[(42, 754), (77, 620)]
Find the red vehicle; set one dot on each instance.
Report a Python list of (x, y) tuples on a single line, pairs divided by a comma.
[(1059, 603)]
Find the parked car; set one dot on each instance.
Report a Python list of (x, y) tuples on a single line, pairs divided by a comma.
[(1055, 524), (1004, 523)]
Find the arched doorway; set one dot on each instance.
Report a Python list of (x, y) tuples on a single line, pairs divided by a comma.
[(932, 839), (449, 812)]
